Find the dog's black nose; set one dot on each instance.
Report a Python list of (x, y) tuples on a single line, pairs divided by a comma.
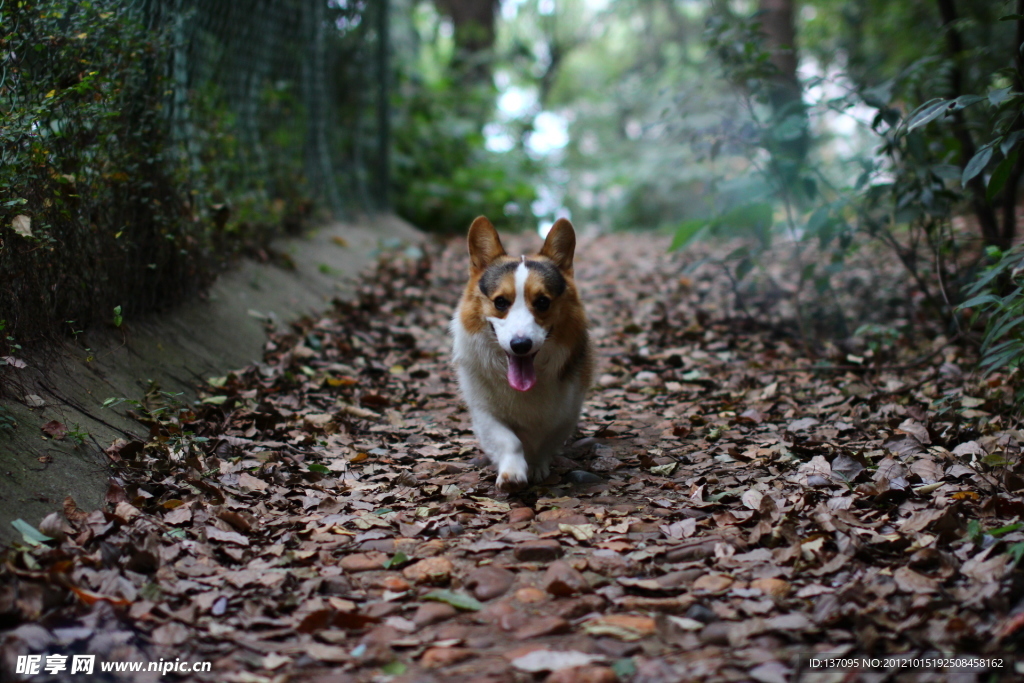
[(521, 345)]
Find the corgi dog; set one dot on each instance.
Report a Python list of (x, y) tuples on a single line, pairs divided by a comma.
[(521, 351)]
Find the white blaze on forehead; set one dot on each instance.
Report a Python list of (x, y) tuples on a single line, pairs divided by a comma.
[(519, 322)]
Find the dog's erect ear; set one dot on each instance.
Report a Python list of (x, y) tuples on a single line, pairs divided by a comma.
[(560, 245), (484, 244)]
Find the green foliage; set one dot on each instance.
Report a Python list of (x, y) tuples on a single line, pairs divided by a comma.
[(1001, 112), (632, 80), (88, 199), (985, 538), (77, 435), (878, 337), (997, 297), (756, 218), (903, 174), (767, 191), (142, 145), (396, 560), (960, 144), (7, 421), (443, 174)]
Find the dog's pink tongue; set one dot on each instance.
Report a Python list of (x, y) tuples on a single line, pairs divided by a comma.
[(521, 375)]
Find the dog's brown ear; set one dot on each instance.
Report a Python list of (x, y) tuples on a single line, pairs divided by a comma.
[(560, 245), (484, 244)]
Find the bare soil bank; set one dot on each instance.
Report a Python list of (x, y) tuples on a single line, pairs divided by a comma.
[(175, 349)]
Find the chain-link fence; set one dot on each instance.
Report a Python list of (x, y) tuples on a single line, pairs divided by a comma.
[(301, 80), (142, 142)]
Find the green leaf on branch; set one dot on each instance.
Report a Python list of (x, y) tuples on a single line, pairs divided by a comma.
[(1011, 141), (977, 164), (964, 101), (1000, 176), (686, 231), (946, 171), (997, 97), (929, 111), (978, 300)]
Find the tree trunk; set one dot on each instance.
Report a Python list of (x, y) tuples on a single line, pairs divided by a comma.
[(383, 107), (785, 94), (474, 37), (955, 48)]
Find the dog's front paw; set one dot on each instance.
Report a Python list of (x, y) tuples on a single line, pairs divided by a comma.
[(512, 479)]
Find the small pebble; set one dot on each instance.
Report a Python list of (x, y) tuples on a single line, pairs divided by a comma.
[(578, 607), (433, 570), (699, 612), (544, 550), (363, 562), (542, 626), (520, 515), (494, 612), (433, 612), (530, 595), (443, 656), (489, 582), (583, 674), (715, 633), (395, 584), (562, 580), (582, 477)]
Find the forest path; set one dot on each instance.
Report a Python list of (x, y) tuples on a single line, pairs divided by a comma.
[(726, 510)]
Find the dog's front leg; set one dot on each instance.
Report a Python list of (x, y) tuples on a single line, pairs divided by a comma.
[(504, 448)]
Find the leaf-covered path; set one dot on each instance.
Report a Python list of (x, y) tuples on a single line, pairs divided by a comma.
[(726, 510)]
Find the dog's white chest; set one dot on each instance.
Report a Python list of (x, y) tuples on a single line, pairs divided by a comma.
[(540, 419)]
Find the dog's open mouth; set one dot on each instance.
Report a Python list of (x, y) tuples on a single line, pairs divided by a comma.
[(521, 373)]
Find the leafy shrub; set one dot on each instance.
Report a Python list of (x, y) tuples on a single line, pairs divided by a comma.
[(911, 173), (143, 144), (91, 217), (443, 174), (997, 297)]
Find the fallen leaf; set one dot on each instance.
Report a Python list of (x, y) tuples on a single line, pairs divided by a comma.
[(22, 225), (554, 660), (55, 429), (457, 600), (626, 627)]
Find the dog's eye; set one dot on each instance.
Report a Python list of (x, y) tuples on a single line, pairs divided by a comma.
[(542, 303), (501, 303)]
